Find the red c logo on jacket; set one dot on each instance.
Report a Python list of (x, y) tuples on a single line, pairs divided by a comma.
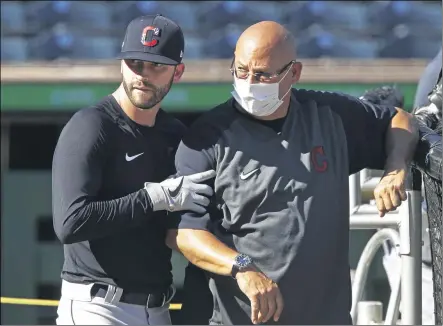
[(318, 159)]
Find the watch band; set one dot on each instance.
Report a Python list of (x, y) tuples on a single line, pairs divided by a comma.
[(234, 271)]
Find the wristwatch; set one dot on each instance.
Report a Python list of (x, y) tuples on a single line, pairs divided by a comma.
[(241, 261)]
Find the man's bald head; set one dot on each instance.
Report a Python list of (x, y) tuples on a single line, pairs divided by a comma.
[(265, 53), (266, 39)]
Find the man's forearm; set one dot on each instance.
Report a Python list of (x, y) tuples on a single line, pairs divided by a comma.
[(203, 249), (401, 141)]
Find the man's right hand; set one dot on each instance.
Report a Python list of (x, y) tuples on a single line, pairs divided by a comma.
[(181, 193), (266, 298)]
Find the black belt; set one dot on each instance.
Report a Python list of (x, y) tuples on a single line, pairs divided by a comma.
[(151, 300)]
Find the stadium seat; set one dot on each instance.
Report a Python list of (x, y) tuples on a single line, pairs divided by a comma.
[(13, 49), (343, 15), (193, 47), (91, 16), (95, 47), (404, 45), (322, 43), (422, 17), (45, 14), (221, 13), (52, 44), (64, 43), (221, 43), (12, 17), (125, 11), (213, 27), (264, 10), (184, 13), (297, 16), (327, 14)]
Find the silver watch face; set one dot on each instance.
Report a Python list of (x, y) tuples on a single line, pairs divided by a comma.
[(243, 260)]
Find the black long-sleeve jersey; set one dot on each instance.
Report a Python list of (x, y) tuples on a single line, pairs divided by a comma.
[(101, 212)]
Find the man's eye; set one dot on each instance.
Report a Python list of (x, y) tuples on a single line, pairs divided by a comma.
[(157, 65)]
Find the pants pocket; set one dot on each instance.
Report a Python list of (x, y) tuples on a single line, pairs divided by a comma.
[(64, 312)]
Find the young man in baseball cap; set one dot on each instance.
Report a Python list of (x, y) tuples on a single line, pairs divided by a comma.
[(112, 189)]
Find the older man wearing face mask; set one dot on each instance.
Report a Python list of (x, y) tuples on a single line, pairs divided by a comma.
[(275, 238)]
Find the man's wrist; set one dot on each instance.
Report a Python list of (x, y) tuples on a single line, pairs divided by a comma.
[(157, 195), (395, 165), (245, 270)]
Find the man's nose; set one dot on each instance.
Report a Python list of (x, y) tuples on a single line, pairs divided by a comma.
[(143, 77), (252, 79)]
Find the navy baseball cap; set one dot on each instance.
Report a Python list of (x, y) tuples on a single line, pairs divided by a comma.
[(153, 38)]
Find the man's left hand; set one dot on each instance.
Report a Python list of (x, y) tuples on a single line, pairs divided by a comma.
[(391, 190)]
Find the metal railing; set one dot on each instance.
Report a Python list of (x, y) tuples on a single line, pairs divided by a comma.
[(403, 230)]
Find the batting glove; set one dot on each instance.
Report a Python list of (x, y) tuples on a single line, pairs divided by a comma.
[(182, 193)]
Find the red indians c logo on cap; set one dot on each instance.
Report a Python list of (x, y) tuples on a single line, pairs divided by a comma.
[(150, 41)]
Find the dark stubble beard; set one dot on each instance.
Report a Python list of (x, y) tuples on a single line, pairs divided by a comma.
[(158, 94)]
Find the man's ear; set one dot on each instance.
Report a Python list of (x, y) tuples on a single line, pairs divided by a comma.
[(178, 73), (296, 72)]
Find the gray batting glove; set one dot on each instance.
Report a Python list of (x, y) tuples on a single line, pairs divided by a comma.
[(182, 193)]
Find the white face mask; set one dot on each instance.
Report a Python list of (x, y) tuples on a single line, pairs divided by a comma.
[(258, 99)]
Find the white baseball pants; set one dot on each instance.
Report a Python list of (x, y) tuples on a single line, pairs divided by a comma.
[(78, 307)]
